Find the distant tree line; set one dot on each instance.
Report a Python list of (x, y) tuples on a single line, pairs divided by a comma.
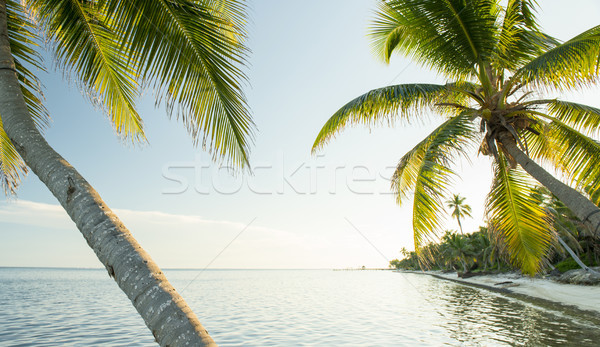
[(573, 246)]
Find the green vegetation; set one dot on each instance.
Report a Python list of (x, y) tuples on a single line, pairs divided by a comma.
[(480, 252), (484, 250), (474, 252), (498, 63), (568, 264)]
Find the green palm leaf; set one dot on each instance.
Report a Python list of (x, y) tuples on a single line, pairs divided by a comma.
[(191, 52), (85, 44), (571, 64), (517, 217), (23, 44), (573, 153), (582, 118), (451, 36), (12, 167), (520, 38), (388, 104), (427, 170)]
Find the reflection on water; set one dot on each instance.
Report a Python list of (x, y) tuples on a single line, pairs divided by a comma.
[(49, 307), (488, 318)]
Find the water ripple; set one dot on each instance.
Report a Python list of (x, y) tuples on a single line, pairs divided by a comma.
[(50, 307)]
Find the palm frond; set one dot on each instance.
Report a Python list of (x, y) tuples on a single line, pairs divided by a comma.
[(572, 64), (192, 53), (86, 45), (514, 214), (12, 167), (580, 117), (23, 44), (450, 36), (384, 105), (427, 170), (520, 39), (570, 151), (389, 31)]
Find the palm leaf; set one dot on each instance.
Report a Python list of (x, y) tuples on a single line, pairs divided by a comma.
[(23, 44), (85, 44), (571, 64), (12, 167), (389, 104), (426, 170), (580, 117), (451, 36), (514, 214), (573, 153), (192, 53), (520, 38)]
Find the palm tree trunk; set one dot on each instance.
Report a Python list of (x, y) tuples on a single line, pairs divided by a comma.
[(459, 225), (464, 264), (572, 253), (583, 208), (486, 259), (165, 312)]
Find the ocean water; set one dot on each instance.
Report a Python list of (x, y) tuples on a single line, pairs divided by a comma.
[(73, 307)]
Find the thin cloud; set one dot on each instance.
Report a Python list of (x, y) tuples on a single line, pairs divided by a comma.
[(179, 240)]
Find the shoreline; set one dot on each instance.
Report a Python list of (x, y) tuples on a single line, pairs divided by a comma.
[(578, 300)]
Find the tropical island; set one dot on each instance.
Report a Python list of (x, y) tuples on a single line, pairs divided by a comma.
[(482, 259), (484, 251)]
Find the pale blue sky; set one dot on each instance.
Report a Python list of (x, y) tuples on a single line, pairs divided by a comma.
[(308, 59)]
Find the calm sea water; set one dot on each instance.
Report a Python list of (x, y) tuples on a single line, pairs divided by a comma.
[(56, 307)]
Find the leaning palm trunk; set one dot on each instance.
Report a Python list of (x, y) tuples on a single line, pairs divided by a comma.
[(573, 255), (165, 312), (583, 208), (464, 265)]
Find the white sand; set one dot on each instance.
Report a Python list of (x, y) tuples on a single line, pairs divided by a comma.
[(583, 297)]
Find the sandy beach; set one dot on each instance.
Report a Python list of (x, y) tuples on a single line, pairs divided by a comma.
[(581, 297)]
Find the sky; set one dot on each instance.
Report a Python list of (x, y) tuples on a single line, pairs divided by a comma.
[(297, 210)]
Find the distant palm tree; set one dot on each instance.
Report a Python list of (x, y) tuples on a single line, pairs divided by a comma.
[(189, 52), (483, 246), (499, 62), (459, 209), (459, 247)]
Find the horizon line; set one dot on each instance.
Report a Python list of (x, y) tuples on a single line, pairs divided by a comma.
[(166, 268)]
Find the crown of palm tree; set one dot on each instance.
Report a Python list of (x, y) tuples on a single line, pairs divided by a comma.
[(497, 57), (189, 53), (458, 206)]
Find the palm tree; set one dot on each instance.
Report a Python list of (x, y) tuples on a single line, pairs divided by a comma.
[(499, 62), (483, 248), (190, 52), (459, 209), (459, 247)]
